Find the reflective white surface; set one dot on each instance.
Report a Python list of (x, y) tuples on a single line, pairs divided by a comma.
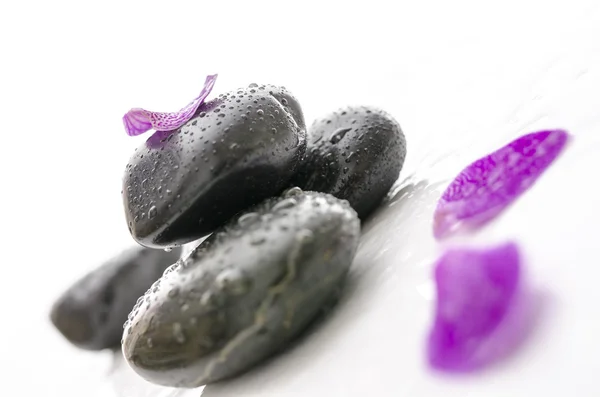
[(461, 77)]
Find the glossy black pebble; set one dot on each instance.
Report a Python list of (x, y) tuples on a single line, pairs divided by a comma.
[(355, 154), (239, 149), (92, 312), (245, 292)]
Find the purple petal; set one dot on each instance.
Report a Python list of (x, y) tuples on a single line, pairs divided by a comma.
[(486, 187), (480, 310), (138, 121)]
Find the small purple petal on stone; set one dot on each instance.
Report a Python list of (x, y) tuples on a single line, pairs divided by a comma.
[(137, 121), (486, 187), (481, 310)]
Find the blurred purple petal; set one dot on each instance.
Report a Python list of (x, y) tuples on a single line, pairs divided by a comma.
[(480, 306), (487, 186), (137, 121)]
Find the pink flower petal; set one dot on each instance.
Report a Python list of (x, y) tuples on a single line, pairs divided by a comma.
[(480, 310), (137, 121), (486, 187)]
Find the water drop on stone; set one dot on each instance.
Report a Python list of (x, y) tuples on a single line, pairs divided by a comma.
[(178, 333), (258, 240), (206, 298), (232, 281), (285, 204), (338, 135), (247, 219), (292, 192)]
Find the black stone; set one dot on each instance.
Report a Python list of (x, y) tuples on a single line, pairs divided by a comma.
[(355, 154), (245, 292), (239, 149), (92, 312)]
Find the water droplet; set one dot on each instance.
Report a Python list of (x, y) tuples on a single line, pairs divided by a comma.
[(292, 192), (284, 101), (285, 204), (178, 333), (149, 343), (152, 212), (260, 112), (304, 235), (339, 134), (185, 307), (252, 85), (233, 281), (247, 219), (207, 299), (173, 293), (168, 249), (202, 114), (258, 240)]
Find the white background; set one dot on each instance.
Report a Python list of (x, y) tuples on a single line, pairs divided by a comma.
[(462, 77)]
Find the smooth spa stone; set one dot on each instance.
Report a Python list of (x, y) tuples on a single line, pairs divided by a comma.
[(245, 292), (92, 312), (236, 151), (355, 154)]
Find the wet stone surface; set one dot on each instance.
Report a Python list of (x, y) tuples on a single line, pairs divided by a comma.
[(245, 292), (92, 312), (237, 150), (355, 154)]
